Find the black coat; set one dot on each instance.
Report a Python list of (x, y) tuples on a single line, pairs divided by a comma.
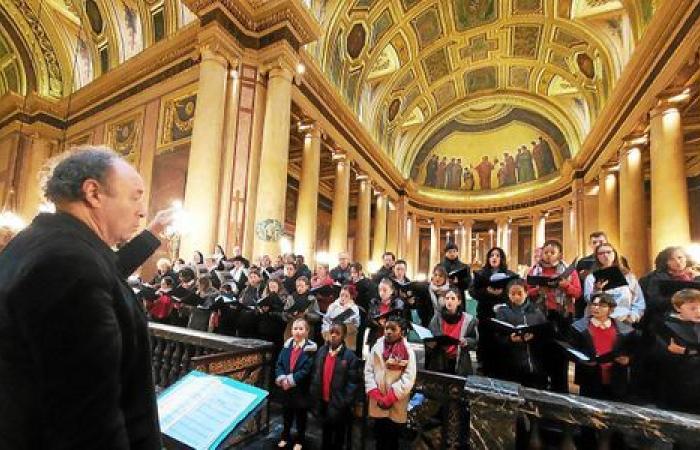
[(589, 377), (382, 273), (522, 359), (676, 376), (658, 305), (344, 384), (298, 396), (451, 265), (366, 291), (75, 362), (341, 275), (486, 300)]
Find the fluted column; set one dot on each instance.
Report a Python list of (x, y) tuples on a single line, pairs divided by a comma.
[(392, 228), (502, 227), (274, 158), (379, 238), (364, 220), (633, 210), (513, 251), (569, 231), (608, 207), (435, 253), (38, 152), (204, 166), (670, 217), (579, 215), (307, 204), (341, 201), (539, 223)]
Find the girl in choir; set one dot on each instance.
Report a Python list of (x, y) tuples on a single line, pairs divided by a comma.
[(293, 376), (438, 288), (334, 386), (289, 278), (487, 298), (346, 311), (199, 319), (390, 372), (188, 281), (162, 307), (557, 303), (301, 304), (451, 321), (629, 299), (522, 355), (366, 290), (380, 307), (239, 274)]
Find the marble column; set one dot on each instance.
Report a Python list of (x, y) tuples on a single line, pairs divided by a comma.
[(379, 237), (413, 243), (392, 228), (502, 227), (435, 253), (204, 166), (307, 204), (364, 220), (608, 207), (468, 224), (633, 210), (514, 250), (402, 230), (341, 204), (578, 196), (274, 158), (670, 217), (37, 153), (462, 242)]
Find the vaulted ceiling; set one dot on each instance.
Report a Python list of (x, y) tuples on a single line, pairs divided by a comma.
[(409, 68)]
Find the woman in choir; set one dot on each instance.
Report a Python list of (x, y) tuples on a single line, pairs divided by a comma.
[(270, 325), (188, 281), (199, 319), (366, 290), (556, 301), (293, 376), (239, 274), (322, 278), (390, 373), (248, 302), (165, 269), (438, 288), (451, 321), (487, 298), (629, 299), (380, 307), (162, 307), (345, 311), (301, 304)]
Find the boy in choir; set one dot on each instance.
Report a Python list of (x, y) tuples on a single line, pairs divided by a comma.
[(450, 321), (390, 372), (556, 301), (608, 343), (677, 354), (345, 311), (334, 387), (301, 304), (522, 353), (293, 376), (452, 264), (380, 307)]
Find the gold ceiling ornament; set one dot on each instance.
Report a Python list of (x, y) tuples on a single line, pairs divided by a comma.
[(455, 51)]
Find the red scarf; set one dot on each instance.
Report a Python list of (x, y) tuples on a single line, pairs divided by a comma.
[(396, 351)]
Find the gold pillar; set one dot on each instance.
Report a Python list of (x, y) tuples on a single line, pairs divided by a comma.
[(412, 241), (513, 251), (578, 195), (379, 237), (502, 227), (204, 166), (608, 207), (341, 199), (670, 217), (364, 220), (569, 232), (254, 165), (463, 239), (402, 227), (307, 205), (435, 254), (392, 228), (274, 156), (633, 210), (468, 249), (539, 223), (37, 153)]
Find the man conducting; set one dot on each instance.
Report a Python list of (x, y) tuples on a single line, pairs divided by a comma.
[(75, 363)]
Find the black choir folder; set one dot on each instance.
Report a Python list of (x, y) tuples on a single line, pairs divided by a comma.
[(200, 411)]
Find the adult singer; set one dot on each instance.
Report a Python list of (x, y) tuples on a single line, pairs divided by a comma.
[(75, 363)]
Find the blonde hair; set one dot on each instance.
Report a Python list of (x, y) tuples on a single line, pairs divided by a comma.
[(684, 296)]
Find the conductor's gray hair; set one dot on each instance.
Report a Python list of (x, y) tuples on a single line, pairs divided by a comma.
[(64, 176)]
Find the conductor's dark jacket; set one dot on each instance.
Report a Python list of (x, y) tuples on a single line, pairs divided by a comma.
[(75, 363)]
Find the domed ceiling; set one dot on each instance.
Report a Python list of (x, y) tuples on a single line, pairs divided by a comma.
[(479, 94)]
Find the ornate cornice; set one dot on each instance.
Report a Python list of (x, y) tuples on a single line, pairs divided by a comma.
[(262, 17)]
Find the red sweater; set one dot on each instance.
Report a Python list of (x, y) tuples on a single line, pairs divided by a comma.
[(294, 357), (573, 290), (452, 330), (604, 342), (328, 368)]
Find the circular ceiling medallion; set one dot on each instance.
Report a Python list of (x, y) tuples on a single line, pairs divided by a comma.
[(356, 40)]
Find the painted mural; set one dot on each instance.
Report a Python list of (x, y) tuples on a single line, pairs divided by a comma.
[(486, 156)]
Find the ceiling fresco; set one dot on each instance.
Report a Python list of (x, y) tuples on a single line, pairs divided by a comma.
[(425, 66)]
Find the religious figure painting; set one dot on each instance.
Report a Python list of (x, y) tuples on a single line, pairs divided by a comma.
[(177, 118), (528, 162)]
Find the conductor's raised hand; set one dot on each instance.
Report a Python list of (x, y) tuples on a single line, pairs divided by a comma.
[(161, 221)]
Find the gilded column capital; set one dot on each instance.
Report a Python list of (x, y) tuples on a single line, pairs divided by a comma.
[(279, 60), (632, 142), (217, 45), (672, 99)]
